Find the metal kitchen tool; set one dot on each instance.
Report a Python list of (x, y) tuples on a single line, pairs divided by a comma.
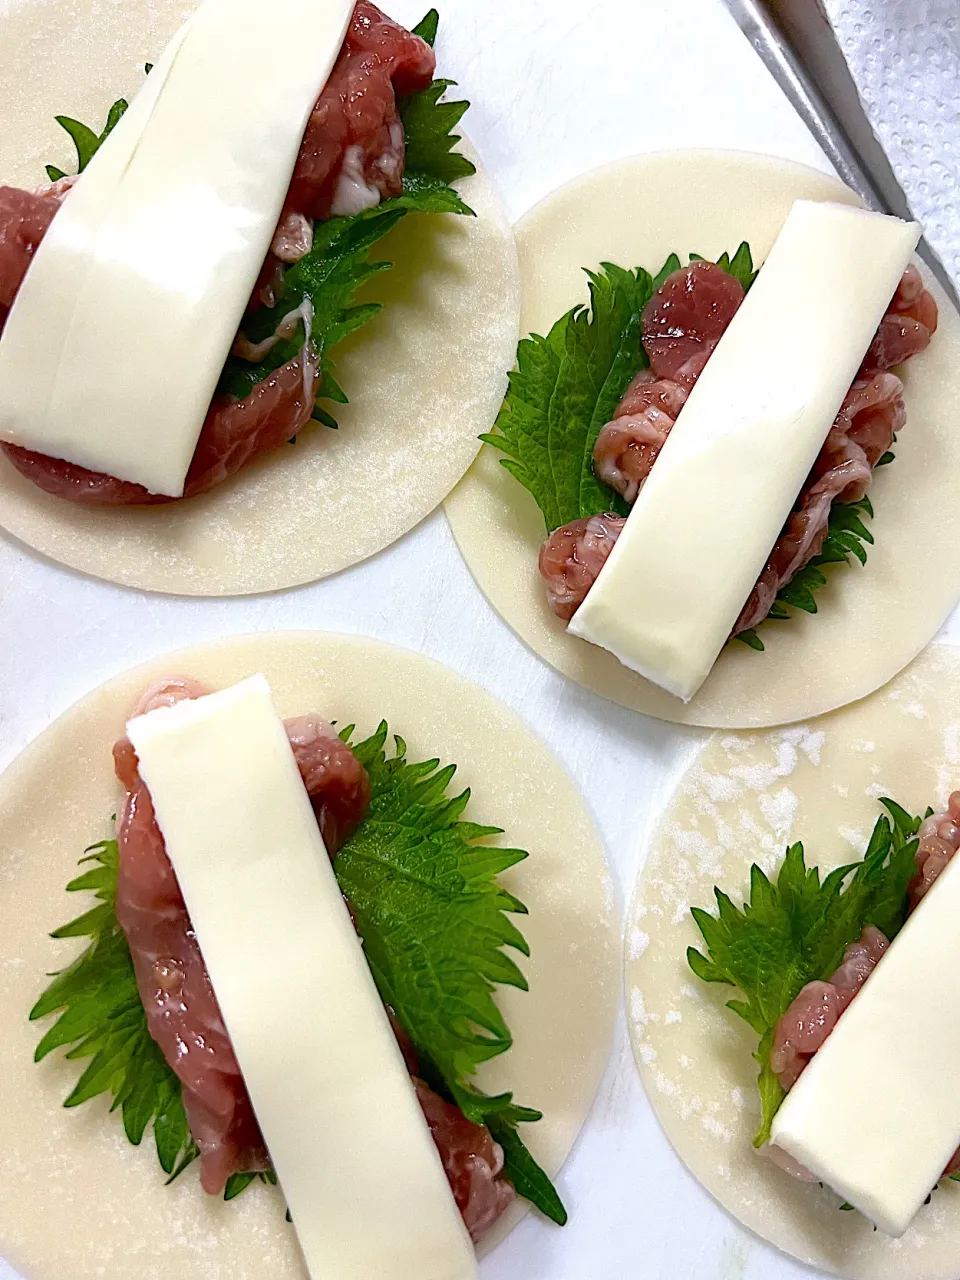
[(796, 41)]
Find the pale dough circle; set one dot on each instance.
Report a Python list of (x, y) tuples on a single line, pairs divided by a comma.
[(747, 797), (872, 621), (425, 377), (80, 1201)]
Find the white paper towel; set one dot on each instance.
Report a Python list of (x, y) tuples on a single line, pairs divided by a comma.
[(905, 58)]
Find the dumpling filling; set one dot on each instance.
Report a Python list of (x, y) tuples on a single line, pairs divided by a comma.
[(682, 324), (183, 1016), (351, 157), (807, 1023)]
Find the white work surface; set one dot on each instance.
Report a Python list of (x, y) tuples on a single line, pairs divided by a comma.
[(557, 87)]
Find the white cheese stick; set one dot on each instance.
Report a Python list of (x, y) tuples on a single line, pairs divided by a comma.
[(876, 1114), (341, 1121), (712, 508), (114, 345)]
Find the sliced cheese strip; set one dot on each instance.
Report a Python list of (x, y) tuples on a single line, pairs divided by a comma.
[(113, 348), (350, 1146), (876, 1114), (705, 521)]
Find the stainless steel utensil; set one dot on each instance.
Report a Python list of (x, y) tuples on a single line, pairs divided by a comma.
[(796, 42)]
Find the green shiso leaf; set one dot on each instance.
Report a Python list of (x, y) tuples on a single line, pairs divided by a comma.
[(568, 384), (102, 1021), (85, 141), (795, 930), (436, 926), (426, 28)]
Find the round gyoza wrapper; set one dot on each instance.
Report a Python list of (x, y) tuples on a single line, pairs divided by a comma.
[(79, 1200), (748, 797), (872, 621), (425, 377)]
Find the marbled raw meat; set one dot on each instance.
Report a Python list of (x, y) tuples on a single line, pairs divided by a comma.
[(813, 1014), (908, 326), (234, 433), (352, 154), (686, 318), (629, 445), (572, 557), (939, 837), (25, 217), (472, 1161)]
